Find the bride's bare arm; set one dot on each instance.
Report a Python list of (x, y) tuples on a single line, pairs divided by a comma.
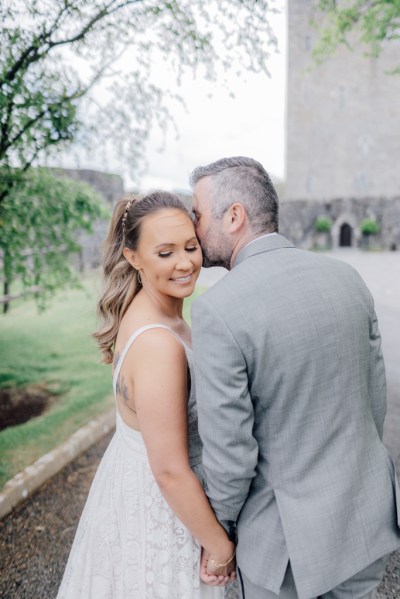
[(159, 382)]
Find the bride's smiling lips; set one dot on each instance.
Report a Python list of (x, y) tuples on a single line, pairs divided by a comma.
[(183, 279)]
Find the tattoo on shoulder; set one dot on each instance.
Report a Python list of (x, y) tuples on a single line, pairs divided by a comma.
[(122, 389)]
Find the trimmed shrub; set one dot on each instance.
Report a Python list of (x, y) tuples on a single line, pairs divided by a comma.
[(323, 224), (369, 226)]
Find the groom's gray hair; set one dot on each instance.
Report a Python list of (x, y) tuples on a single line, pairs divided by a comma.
[(243, 180)]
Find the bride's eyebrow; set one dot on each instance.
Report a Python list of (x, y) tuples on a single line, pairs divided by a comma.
[(165, 244), (170, 244)]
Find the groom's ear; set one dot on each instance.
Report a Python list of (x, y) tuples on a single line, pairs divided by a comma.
[(237, 217)]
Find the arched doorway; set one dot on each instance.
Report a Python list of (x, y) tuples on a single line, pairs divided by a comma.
[(345, 235)]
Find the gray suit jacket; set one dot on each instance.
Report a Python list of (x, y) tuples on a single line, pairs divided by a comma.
[(291, 400)]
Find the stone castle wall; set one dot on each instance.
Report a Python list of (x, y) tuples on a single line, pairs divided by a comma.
[(342, 144), (343, 116), (297, 219)]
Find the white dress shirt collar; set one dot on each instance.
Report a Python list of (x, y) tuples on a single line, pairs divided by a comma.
[(257, 238)]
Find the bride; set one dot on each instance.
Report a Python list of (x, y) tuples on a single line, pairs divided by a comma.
[(147, 517)]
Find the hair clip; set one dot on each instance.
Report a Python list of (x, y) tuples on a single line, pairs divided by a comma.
[(129, 204)]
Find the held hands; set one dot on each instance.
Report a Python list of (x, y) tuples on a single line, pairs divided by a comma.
[(216, 571)]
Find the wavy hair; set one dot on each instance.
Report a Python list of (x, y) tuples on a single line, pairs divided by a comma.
[(121, 281)]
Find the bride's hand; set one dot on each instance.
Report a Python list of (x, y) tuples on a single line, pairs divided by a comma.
[(212, 579), (222, 564)]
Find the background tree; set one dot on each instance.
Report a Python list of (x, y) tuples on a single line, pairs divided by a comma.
[(39, 229), (372, 22), (54, 54)]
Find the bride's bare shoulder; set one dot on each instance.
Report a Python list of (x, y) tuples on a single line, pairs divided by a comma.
[(157, 343)]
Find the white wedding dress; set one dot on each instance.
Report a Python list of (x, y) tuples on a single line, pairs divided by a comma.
[(129, 543)]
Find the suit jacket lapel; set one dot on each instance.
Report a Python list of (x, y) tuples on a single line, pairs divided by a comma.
[(263, 244)]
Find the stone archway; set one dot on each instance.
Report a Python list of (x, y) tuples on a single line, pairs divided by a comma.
[(345, 231), (346, 235)]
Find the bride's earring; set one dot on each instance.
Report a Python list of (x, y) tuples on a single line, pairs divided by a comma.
[(139, 278)]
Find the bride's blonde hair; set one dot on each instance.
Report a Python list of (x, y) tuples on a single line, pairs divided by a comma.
[(121, 281)]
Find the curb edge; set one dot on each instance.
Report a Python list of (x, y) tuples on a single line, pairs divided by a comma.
[(26, 482)]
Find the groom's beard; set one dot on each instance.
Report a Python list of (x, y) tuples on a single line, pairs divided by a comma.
[(216, 251), (216, 247), (209, 261)]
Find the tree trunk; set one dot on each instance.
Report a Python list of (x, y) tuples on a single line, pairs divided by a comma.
[(7, 270), (6, 288)]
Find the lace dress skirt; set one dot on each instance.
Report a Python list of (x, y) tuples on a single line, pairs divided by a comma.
[(129, 544)]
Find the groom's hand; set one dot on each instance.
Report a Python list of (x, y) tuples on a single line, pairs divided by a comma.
[(216, 580)]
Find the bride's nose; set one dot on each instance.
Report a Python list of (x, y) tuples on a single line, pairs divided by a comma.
[(184, 263)]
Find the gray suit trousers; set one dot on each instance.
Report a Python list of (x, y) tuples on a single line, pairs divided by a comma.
[(362, 585)]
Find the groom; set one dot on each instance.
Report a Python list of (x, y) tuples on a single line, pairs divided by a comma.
[(291, 399)]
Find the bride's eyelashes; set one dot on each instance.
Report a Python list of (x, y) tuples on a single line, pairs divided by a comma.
[(167, 254)]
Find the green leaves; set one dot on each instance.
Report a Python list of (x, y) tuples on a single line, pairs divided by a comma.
[(322, 224), (369, 226), (39, 229), (53, 55), (373, 23)]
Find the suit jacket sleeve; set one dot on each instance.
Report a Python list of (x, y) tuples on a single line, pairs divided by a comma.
[(225, 412), (377, 378)]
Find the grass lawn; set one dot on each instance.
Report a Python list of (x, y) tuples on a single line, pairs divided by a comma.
[(54, 348)]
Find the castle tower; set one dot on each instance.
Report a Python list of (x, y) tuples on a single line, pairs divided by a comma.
[(343, 117)]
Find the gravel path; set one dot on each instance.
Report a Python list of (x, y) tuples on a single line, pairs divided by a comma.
[(36, 538)]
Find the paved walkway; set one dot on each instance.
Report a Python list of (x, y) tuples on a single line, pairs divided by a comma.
[(381, 272)]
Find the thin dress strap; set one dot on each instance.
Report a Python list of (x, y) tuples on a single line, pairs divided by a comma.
[(128, 345)]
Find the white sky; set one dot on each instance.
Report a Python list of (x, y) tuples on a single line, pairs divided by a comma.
[(252, 123)]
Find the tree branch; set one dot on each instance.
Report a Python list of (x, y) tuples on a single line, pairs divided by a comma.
[(101, 15), (35, 51), (75, 96), (5, 126)]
